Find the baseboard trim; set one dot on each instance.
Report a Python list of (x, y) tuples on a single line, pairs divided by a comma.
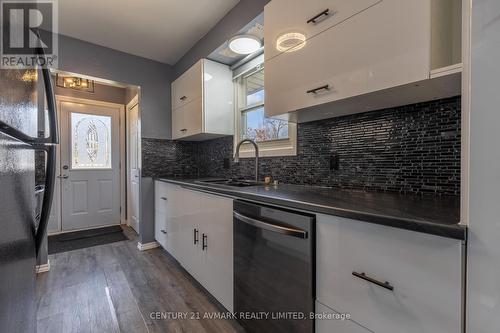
[(147, 246), (43, 268)]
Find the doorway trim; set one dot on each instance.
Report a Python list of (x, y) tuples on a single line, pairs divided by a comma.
[(121, 127), (133, 102)]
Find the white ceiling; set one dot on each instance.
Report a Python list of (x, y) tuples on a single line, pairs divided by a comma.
[(162, 30)]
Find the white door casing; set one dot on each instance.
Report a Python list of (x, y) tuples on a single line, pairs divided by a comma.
[(133, 169), (89, 172)]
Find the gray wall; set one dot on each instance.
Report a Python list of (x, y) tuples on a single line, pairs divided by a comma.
[(153, 77), (244, 12), (102, 92), (483, 245)]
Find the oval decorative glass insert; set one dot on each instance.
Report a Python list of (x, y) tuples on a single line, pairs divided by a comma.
[(90, 141)]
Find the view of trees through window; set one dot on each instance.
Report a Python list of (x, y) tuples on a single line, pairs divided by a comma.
[(255, 125)]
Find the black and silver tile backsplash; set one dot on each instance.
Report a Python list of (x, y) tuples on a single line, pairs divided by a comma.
[(408, 149)]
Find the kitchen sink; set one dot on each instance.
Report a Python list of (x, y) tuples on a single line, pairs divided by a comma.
[(230, 182)]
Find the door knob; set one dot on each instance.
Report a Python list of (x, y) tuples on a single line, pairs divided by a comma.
[(63, 176)]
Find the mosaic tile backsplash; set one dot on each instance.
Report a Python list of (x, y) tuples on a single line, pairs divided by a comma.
[(408, 149)]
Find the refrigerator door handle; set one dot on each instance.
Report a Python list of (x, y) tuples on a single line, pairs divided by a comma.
[(48, 195), (53, 137)]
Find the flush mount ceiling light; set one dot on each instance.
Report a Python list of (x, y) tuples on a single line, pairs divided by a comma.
[(244, 44), (76, 83), (291, 41)]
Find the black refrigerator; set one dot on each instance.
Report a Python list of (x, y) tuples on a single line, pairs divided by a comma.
[(22, 93)]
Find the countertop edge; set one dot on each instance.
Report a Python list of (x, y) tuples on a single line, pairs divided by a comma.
[(456, 231)]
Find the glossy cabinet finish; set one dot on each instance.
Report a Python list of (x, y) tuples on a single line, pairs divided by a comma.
[(202, 102), (384, 46), (199, 234), (188, 87), (325, 324), (307, 17), (425, 272), (187, 120)]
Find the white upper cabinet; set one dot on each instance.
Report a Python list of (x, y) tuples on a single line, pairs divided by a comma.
[(355, 56), (202, 102), (308, 18)]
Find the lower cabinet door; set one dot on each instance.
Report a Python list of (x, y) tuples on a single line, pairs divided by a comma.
[(217, 247), (389, 279), (329, 321), (161, 229)]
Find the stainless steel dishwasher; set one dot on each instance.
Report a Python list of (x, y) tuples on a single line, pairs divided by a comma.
[(273, 268)]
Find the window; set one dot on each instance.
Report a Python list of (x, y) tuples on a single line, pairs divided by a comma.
[(90, 141), (275, 137)]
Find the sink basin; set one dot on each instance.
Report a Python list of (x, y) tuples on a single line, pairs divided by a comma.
[(231, 182)]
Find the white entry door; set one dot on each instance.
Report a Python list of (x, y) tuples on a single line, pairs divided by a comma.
[(133, 162), (90, 157)]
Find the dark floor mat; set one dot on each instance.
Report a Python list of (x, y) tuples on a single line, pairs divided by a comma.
[(85, 238)]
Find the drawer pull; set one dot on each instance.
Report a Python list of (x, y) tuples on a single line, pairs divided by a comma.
[(163, 231), (315, 90), (164, 198), (183, 98), (195, 236), (204, 242), (363, 276), (313, 19)]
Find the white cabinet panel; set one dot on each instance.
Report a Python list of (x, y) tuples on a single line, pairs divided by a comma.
[(188, 86), (161, 230), (191, 219), (202, 102), (187, 120), (285, 16), (425, 271), (384, 46), (217, 225), (327, 322)]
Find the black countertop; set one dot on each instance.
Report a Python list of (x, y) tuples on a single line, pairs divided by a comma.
[(429, 214)]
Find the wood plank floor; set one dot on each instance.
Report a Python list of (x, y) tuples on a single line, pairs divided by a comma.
[(115, 288)]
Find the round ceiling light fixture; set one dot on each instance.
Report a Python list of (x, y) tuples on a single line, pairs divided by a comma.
[(291, 41), (244, 44)]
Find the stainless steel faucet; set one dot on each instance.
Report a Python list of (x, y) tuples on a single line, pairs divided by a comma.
[(237, 155)]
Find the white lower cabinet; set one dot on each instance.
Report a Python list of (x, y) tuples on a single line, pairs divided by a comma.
[(425, 272), (329, 321), (199, 235)]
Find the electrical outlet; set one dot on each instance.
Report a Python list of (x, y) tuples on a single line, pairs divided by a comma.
[(334, 162)]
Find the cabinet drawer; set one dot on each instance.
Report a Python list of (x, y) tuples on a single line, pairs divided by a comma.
[(327, 322), (161, 230), (383, 47), (284, 16), (187, 120), (424, 270), (188, 86), (161, 197)]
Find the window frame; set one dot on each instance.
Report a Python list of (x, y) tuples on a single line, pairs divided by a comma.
[(272, 148)]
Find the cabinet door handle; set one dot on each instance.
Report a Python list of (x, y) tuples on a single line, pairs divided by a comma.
[(163, 231), (195, 236), (313, 19), (315, 90), (183, 130), (365, 277), (164, 198), (183, 98), (203, 242)]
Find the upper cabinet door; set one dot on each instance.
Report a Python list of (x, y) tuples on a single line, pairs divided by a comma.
[(188, 86), (306, 17), (384, 46)]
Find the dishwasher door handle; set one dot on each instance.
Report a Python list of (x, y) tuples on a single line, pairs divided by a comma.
[(271, 227)]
